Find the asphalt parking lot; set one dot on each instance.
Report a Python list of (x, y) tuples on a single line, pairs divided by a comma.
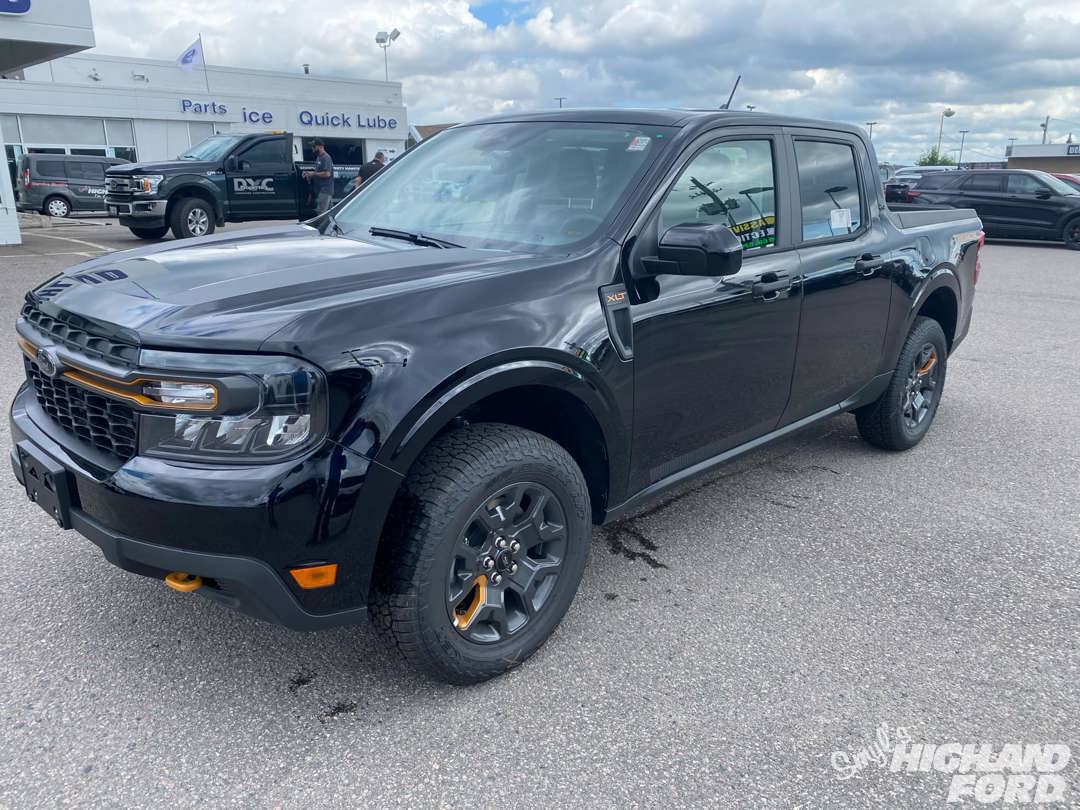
[(725, 643)]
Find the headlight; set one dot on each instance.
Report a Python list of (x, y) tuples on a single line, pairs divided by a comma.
[(146, 183), (274, 412)]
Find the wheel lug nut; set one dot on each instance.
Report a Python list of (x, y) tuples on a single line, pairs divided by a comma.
[(496, 578), (488, 563), (513, 568), (500, 543), (515, 546)]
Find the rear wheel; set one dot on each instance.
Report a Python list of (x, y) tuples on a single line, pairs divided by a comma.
[(901, 416), (192, 216), (150, 233), (492, 537), (1072, 234), (57, 207)]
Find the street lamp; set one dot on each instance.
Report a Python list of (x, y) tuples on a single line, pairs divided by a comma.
[(384, 41), (751, 107), (560, 99), (948, 112), (960, 159), (871, 125)]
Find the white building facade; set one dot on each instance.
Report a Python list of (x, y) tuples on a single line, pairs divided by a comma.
[(148, 110)]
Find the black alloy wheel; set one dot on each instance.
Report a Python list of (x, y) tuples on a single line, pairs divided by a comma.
[(917, 397), (507, 562)]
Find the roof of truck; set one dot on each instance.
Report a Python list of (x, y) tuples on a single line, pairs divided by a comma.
[(667, 118)]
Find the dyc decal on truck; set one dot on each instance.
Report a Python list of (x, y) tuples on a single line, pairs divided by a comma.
[(253, 185)]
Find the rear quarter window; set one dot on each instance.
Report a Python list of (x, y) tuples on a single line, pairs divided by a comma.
[(50, 168)]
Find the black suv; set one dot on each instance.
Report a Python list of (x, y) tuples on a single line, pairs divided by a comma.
[(59, 185), (1011, 203), (416, 406)]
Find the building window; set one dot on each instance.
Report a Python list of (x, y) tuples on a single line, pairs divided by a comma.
[(124, 153), (62, 129)]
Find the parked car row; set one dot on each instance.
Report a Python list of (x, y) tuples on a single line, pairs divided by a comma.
[(59, 185), (1023, 204)]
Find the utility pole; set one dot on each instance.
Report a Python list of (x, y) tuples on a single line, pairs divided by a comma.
[(871, 125), (560, 99), (960, 158)]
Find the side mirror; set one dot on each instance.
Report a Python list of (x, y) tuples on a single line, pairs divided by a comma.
[(1043, 194), (232, 163), (697, 250)]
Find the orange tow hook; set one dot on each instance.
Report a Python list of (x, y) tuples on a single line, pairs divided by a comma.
[(184, 583)]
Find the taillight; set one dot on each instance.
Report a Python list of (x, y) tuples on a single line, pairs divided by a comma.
[(978, 257), (26, 178)]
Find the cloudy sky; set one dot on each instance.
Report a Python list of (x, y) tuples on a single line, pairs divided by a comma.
[(1003, 65)]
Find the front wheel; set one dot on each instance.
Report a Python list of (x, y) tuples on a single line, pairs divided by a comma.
[(1072, 234), (493, 530), (192, 217), (150, 233), (901, 416)]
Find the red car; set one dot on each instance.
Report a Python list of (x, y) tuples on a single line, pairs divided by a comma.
[(1072, 179)]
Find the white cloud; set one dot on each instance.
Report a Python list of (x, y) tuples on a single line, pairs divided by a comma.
[(1001, 64)]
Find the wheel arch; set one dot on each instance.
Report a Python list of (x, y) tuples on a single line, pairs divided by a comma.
[(939, 299), (194, 189), (64, 195)]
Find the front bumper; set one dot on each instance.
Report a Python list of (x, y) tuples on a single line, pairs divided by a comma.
[(133, 211), (207, 526)]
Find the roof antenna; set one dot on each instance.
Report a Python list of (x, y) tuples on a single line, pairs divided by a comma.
[(727, 104)]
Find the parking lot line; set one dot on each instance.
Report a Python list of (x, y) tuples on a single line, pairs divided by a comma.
[(94, 245)]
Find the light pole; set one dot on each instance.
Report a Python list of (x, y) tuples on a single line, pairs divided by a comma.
[(960, 159), (871, 125), (384, 41), (751, 107), (560, 99), (948, 112)]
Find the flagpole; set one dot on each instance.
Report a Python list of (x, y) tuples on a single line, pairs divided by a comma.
[(202, 50)]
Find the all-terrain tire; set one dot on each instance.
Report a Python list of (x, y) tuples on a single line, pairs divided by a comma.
[(884, 423), (460, 473)]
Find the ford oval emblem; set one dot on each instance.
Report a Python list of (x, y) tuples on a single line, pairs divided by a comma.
[(48, 362)]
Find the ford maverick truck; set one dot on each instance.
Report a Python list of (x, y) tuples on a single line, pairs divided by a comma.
[(225, 178), (413, 409)]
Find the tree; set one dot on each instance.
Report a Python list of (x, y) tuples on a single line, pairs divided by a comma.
[(932, 157)]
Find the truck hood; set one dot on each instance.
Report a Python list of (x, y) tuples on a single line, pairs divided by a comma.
[(165, 166), (234, 292)]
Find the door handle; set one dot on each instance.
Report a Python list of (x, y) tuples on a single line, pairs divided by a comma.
[(868, 264), (770, 285)]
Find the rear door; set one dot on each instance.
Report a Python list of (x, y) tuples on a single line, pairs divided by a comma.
[(86, 180), (845, 269), (263, 184), (985, 191)]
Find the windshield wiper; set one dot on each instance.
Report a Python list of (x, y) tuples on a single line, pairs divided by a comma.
[(415, 238)]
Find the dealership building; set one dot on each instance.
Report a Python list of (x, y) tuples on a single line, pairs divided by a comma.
[(57, 101)]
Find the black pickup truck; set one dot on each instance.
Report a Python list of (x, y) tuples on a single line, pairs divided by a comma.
[(416, 407), (225, 178)]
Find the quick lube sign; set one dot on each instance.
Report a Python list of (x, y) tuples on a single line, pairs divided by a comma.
[(14, 6), (337, 119)]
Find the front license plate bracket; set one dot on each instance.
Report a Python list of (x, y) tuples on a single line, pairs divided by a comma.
[(47, 483)]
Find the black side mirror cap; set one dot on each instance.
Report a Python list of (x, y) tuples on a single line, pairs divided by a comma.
[(1043, 194), (232, 163), (697, 250)]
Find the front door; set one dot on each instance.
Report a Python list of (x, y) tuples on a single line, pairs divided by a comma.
[(845, 268), (713, 356), (985, 192), (263, 183)]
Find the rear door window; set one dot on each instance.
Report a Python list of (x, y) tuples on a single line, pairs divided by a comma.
[(832, 205), (983, 182), (731, 183)]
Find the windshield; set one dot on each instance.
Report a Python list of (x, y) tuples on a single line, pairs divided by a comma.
[(213, 148), (1057, 186), (530, 185)]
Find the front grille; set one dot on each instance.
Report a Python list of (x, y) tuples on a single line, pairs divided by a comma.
[(105, 423), (118, 185), (75, 333)]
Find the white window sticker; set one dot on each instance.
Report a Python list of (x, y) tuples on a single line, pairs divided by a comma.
[(638, 144), (840, 220)]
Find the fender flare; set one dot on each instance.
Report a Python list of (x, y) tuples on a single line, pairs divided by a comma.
[(943, 275), (187, 182), (435, 411)]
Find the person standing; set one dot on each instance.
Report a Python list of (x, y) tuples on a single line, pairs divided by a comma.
[(322, 177), (369, 169)]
